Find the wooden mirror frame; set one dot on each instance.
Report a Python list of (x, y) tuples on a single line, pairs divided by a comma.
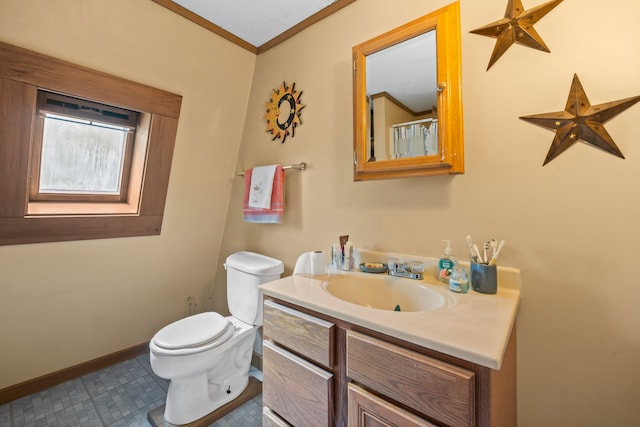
[(450, 158)]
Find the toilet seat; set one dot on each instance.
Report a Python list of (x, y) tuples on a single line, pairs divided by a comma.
[(192, 334)]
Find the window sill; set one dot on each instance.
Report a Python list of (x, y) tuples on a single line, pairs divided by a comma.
[(35, 209)]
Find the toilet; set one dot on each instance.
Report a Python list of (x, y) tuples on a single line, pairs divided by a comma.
[(206, 357)]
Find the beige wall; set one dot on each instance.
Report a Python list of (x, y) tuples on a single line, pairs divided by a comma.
[(571, 226), (65, 303)]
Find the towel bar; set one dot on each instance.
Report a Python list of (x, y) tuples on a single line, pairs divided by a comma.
[(300, 166)]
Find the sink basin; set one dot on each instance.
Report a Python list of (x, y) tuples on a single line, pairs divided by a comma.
[(385, 292)]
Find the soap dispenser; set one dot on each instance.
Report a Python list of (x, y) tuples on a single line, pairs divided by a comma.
[(446, 263)]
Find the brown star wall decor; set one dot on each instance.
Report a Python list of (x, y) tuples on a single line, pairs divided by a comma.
[(516, 27), (581, 121)]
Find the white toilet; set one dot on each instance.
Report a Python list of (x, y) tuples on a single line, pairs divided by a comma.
[(207, 356)]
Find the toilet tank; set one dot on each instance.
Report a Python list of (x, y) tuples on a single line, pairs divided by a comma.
[(245, 272)]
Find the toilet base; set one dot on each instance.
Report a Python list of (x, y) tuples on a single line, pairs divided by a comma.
[(195, 392), (186, 403), (254, 388)]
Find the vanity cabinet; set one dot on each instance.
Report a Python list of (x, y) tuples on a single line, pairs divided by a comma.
[(323, 371)]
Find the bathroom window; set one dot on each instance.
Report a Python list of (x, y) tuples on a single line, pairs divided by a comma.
[(82, 150), (83, 154)]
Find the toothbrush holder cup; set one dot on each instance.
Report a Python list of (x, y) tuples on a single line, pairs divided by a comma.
[(484, 278)]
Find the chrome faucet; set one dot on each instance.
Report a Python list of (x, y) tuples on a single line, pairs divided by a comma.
[(410, 270)]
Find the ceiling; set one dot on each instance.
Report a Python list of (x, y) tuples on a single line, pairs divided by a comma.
[(256, 25)]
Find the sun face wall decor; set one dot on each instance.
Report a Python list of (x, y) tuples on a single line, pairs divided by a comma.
[(283, 112)]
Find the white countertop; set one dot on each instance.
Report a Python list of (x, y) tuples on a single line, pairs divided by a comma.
[(472, 326)]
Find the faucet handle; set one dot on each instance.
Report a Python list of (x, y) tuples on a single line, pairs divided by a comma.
[(402, 265), (416, 267)]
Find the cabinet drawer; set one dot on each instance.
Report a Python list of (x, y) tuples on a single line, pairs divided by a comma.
[(435, 388), (366, 409), (295, 389), (271, 419), (306, 335)]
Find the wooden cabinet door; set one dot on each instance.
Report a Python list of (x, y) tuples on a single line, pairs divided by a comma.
[(368, 410), (298, 391), (439, 390)]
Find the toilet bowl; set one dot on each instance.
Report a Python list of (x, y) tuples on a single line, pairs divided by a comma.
[(206, 357)]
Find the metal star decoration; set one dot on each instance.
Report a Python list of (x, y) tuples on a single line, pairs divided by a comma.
[(581, 121), (517, 27)]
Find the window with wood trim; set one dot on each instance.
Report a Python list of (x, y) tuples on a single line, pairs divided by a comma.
[(81, 151), (83, 154)]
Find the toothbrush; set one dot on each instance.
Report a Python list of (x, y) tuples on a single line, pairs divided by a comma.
[(486, 247), (470, 244), (475, 248), (493, 258)]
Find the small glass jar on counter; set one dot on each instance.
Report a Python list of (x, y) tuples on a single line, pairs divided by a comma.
[(459, 280)]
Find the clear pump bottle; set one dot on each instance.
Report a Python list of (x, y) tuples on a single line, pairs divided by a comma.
[(446, 264)]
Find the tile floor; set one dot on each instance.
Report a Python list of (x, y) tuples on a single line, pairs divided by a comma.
[(118, 396)]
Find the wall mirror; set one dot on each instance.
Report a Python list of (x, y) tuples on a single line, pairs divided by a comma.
[(408, 100)]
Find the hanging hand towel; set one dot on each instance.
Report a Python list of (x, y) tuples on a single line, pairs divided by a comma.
[(261, 186), (272, 214)]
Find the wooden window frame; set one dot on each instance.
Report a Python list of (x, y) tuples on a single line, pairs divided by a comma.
[(22, 74)]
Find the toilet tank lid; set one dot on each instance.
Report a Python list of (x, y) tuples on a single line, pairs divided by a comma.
[(256, 264)]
